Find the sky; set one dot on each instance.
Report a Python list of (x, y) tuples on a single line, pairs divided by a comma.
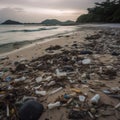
[(38, 10)]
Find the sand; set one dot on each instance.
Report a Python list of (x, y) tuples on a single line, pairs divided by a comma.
[(37, 50)]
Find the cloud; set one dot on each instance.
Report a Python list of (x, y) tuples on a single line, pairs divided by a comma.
[(37, 10), (11, 13), (52, 4)]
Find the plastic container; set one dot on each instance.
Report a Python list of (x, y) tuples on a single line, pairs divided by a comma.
[(95, 99), (53, 105)]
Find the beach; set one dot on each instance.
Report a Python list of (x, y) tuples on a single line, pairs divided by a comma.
[(90, 56)]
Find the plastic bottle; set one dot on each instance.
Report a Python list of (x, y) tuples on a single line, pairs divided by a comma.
[(95, 99), (43, 93), (51, 83), (20, 79), (60, 74), (53, 105)]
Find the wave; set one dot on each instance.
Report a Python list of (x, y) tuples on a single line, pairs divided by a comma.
[(5, 47), (31, 30)]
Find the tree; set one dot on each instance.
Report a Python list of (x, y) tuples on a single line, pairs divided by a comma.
[(107, 11)]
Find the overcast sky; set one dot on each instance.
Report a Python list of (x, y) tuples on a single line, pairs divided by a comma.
[(38, 10)]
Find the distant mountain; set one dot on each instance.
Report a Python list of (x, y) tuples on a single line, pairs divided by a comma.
[(57, 22), (45, 22), (68, 22), (11, 22), (51, 22)]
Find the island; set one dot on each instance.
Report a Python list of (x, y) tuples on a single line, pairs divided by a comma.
[(48, 22), (11, 22)]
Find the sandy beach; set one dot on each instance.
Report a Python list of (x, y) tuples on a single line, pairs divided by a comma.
[(100, 73)]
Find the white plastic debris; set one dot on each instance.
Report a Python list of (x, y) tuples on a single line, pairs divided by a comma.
[(51, 83), (85, 86), (90, 114), (53, 105), (109, 67), (86, 61), (39, 79), (20, 79), (37, 87), (92, 90), (60, 74), (48, 78), (81, 98), (72, 81), (115, 88), (8, 111), (101, 69), (57, 90), (1, 74), (84, 75), (95, 99), (10, 87), (117, 106), (43, 93)]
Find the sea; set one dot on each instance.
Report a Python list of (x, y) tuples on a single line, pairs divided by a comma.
[(16, 36)]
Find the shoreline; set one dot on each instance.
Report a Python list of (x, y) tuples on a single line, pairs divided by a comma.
[(26, 44), (59, 39), (17, 46)]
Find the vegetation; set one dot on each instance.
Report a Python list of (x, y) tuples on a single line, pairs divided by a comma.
[(57, 22), (105, 12)]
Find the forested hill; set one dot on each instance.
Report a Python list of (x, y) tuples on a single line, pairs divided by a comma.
[(104, 12)]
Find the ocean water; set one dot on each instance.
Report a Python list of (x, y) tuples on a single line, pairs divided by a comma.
[(18, 33), (15, 36)]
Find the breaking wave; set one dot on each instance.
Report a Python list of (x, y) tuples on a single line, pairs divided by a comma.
[(30, 30)]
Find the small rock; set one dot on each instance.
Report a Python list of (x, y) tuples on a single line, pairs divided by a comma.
[(77, 115), (86, 52), (56, 47), (20, 67), (31, 110)]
